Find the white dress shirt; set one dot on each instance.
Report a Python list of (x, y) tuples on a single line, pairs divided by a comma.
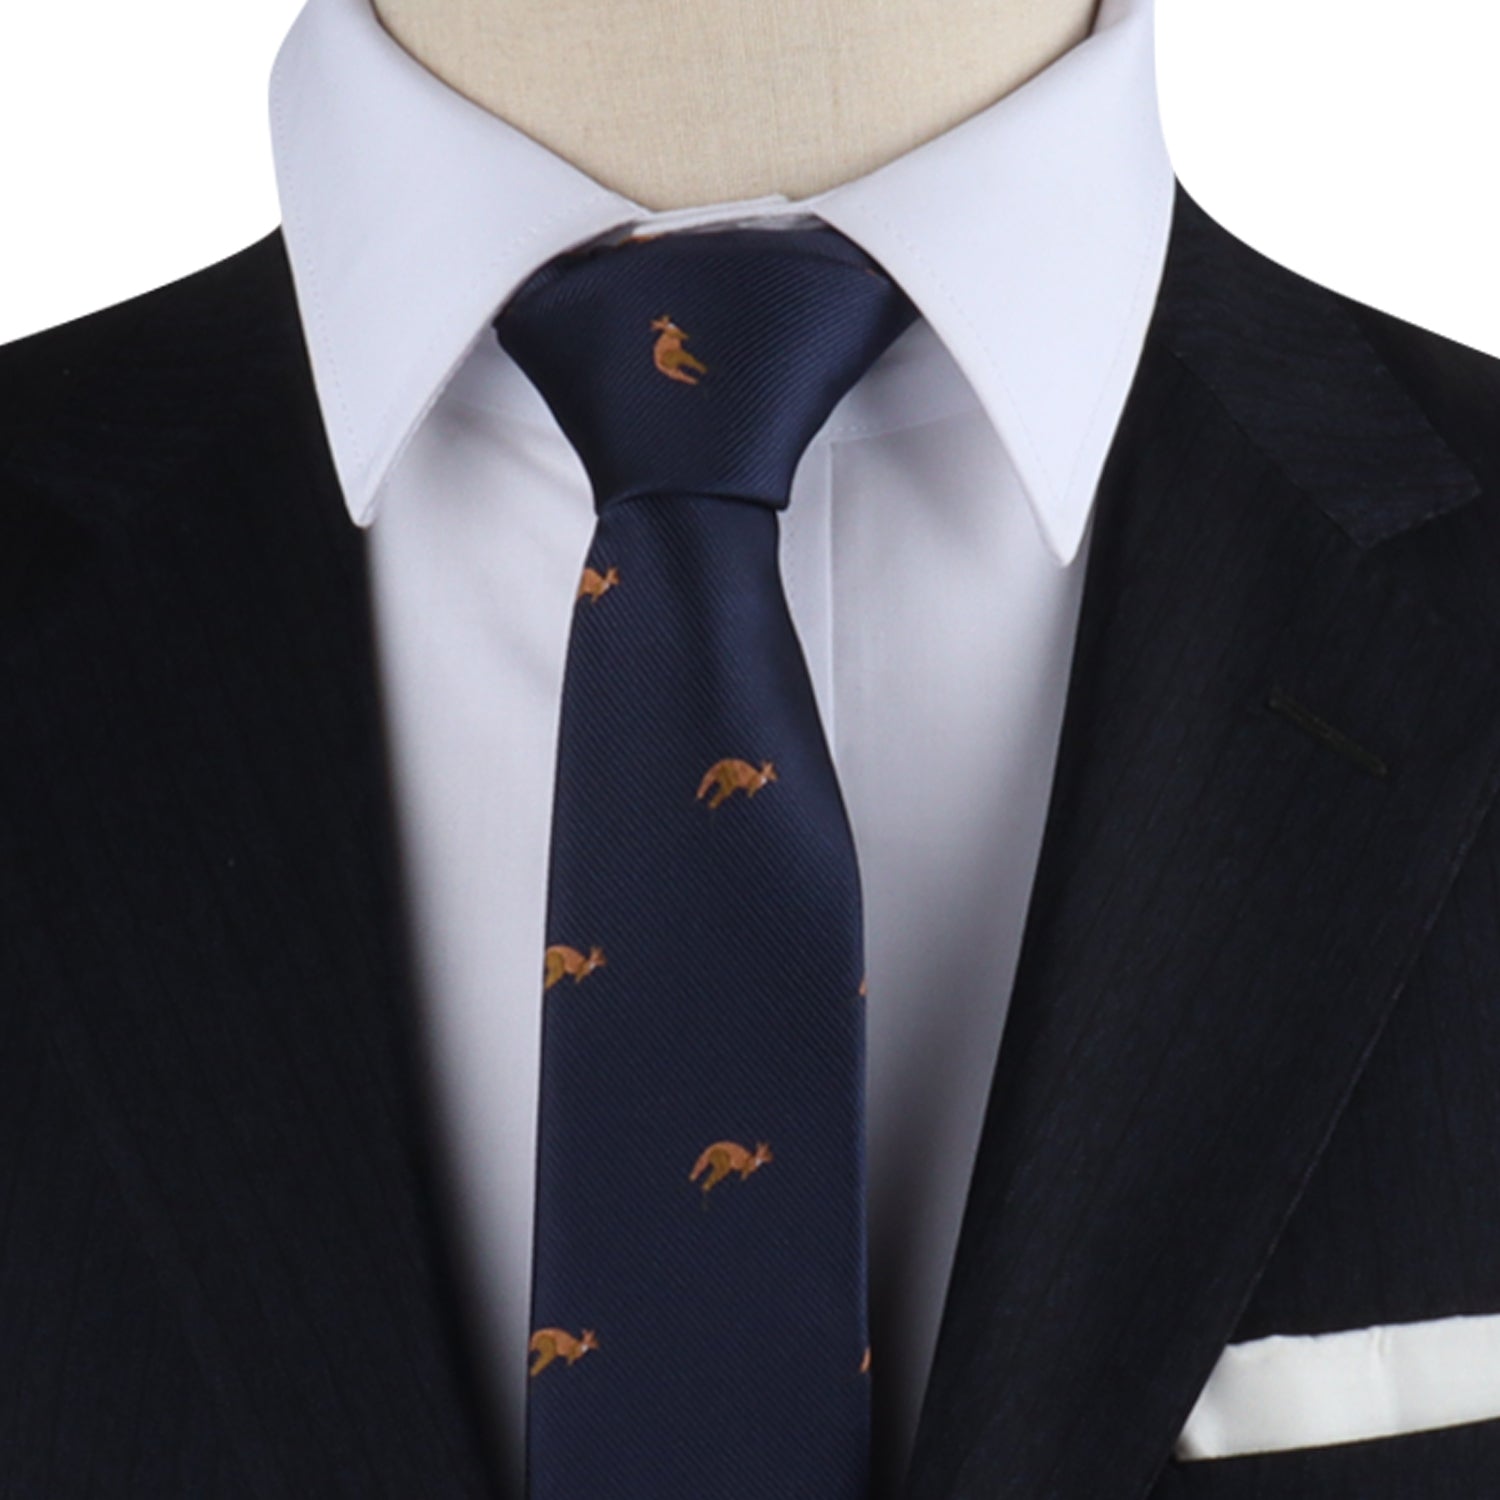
[(933, 558)]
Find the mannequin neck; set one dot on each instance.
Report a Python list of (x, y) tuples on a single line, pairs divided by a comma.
[(677, 103)]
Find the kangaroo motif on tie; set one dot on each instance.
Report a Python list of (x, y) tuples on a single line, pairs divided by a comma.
[(724, 1157), (561, 961), (594, 585), (670, 357), (726, 777), (549, 1344), (737, 940)]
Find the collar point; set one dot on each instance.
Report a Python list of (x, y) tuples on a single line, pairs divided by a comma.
[(1063, 521), (361, 501)]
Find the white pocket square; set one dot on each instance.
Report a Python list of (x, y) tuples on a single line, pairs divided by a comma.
[(1305, 1391)]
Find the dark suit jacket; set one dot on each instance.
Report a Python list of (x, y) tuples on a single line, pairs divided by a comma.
[(1251, 1079)]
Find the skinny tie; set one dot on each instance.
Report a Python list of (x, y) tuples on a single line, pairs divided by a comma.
[(699, 1276)]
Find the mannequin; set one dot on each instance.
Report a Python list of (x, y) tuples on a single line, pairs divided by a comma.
[(677, 103)]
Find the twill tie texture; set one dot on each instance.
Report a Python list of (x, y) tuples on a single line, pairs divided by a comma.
[(699, 1285)]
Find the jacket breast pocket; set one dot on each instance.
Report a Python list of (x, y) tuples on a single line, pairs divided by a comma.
[(1401, 1411), (1448, 1463), (1317, 1390)]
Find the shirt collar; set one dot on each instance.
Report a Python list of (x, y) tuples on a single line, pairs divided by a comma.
[(1030, 237)]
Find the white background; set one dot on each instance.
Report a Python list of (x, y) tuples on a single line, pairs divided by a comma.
[(1357, 141)]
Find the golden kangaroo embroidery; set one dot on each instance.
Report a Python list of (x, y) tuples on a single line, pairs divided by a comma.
[(671, 358), (724, 1157), (549, 1344), (726, 777), (594, 585), (561, 961)]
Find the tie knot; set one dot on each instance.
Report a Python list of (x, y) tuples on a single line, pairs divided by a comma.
[(701, 362)]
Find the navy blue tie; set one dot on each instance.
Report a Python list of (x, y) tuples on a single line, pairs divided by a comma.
[(699, 1279)]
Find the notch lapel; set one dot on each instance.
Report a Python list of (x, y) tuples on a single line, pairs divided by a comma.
[(207, 914), (1277, 748)]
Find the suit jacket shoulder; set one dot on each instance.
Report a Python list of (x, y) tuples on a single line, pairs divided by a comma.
[(100, 417), (216, 316), (1458, 387)]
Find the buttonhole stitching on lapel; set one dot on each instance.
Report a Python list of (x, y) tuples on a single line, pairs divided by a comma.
[(1304, 718)]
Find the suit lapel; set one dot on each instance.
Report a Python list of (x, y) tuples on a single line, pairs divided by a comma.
[(210, 916), (1276, 750)]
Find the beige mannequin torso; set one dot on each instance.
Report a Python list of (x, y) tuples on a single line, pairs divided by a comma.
[(677, 103)]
